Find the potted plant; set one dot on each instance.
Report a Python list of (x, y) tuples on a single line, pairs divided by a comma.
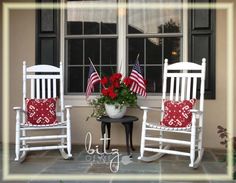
[(223, 134), (115, 97)]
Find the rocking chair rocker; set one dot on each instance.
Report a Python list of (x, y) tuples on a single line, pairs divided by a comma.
[(180, 81), (38, 113)]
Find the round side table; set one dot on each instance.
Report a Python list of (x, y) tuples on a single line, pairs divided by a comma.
[(126, 121)]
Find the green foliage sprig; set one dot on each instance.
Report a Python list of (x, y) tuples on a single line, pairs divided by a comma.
[(224, 135)]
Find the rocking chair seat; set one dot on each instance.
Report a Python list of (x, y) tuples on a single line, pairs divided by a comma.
[(44, 125), (167, 128)]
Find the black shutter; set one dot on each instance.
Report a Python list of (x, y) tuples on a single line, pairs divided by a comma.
[(202, 42), (48, 35)]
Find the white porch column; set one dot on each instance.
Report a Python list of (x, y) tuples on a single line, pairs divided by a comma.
[(121, 57)]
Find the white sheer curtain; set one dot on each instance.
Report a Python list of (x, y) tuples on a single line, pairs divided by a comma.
[(91, 15), (148, 20)]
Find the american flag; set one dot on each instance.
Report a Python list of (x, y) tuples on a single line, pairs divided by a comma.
[(138, 85), (93, 78)]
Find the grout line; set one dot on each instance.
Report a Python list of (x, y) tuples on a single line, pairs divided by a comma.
[(214, 156)]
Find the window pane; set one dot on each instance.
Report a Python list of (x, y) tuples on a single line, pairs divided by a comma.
[(92, 50), (136, 46), (74, 28), (153, 21), (108, 28), (154, 79), (91, 28), (171, 26), (172, 49), (75, 83), (108, 70), (91, 20), (75, 52), (154, 50), (109, 49)]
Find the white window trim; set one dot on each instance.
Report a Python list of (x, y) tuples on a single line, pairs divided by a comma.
[(80, 101), (151, 101)]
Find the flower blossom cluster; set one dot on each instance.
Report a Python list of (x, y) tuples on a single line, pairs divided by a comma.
[(113, 85), (116, 92)]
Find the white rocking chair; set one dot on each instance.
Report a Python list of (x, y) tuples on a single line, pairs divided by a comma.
[(180, 81), (41, 81)]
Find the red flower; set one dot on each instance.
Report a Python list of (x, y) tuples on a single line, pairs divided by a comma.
[(116, 84), (113, 95), (115, 77), (110, 89), (128, 81), (105, 92), (111, 92), (104, 80)]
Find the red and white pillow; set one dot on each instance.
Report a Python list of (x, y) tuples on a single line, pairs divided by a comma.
[(177, 114), (41, 111)]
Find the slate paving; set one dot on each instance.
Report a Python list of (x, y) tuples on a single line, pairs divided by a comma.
[(51, 163)]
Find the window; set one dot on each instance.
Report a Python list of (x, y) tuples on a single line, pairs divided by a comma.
[(155, 34), (89, 34), (114, 41), (94, 33)]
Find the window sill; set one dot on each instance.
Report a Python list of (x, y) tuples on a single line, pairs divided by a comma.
[(80, 101)]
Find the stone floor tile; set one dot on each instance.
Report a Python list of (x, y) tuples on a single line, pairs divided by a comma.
[(179, 167), (217, 151), (32, 164), (30, 168), (67, 167), (134, 167), (223, 181), (184, 182), (220, 157), (52, 162), (207, 156), (17, 181), (99, 168), (215, 167), (59, 181), (142, 181)]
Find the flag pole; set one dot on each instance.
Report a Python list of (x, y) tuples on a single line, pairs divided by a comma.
[(137, 57), (93, 66), (95, 70), (119, 70)]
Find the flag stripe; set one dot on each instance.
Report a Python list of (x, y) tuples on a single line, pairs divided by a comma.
[(138, 85), (93, 78), (138, 81), (137, 77)]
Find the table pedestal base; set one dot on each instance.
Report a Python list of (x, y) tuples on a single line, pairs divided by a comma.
[(128, 133)]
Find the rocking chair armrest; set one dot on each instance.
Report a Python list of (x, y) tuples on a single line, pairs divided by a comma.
[(196, 111), (151, 108), (67, 110), (19, 109)]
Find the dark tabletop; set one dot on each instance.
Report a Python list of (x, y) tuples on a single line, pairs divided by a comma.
[(125, 119)]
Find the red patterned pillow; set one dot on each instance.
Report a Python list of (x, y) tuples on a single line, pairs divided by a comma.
[(177, 114), (41, 111)]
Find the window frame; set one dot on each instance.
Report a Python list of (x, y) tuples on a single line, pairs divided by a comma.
[(77, 99)]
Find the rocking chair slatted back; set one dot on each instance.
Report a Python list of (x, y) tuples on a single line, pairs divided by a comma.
[(180, 81), (43, 81)]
